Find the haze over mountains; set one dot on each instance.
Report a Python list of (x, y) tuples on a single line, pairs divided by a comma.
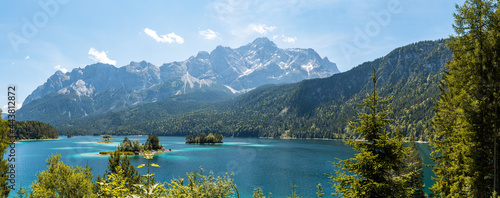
[(100, 88)]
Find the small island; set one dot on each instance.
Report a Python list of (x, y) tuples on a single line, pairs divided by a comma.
[(127, 147), (69, 135), (106, 139), (204, 139)]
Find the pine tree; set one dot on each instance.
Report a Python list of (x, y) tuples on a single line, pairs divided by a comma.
[(127, 171), (378, 169), (465, 126), (415, 165), (4, 165)]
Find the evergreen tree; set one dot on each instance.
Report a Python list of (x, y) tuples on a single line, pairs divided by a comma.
[(152, 143), (379, 168), (465, 126), (4, 165), (123, 167), (415, 165)]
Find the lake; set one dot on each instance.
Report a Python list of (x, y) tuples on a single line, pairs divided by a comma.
[(273, 165)]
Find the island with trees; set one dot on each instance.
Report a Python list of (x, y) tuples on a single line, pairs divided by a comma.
[(106, 139), (202, 138), (127, 147), (34, 130)]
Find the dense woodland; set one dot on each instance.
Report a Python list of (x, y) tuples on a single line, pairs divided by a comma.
[(35, 130)]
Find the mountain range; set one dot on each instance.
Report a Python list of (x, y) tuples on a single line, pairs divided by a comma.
[(314, 108), (225, 72)]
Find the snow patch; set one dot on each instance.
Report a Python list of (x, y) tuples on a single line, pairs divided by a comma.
[(191, 81), (63, 91), (246, 72), (81, 88), (231, 89), (308, 67)]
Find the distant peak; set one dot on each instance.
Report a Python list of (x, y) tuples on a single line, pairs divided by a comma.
[(139, 63), (142, 64), (263, 41), (203, 54)]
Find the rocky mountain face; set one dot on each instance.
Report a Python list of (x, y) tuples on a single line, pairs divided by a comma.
[(100, 87)]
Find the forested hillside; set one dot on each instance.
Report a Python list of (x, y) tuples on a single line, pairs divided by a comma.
[(316, 108), (35, 130)]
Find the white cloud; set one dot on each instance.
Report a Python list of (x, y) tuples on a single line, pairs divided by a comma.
[(208, 34), (169, 38), (289, 39), (5, 108), (100, 57), (27, 57), (261, 28), (62, 69)]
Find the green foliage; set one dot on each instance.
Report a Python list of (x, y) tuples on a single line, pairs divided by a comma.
[(114, 186), (4, 165), (378, 169), (415, 165), (152, 143), (119, 152), (465, 125), (129, 146), (129, 174), (294, 191), (22, 192), (204, 139), (106, 138), (320, 191), (103, 123), (35, 130), (257, 193), (200, 185), (154, 190), (61, 180), (149, 177)]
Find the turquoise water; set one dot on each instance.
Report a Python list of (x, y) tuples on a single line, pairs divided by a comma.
[(270, 164)]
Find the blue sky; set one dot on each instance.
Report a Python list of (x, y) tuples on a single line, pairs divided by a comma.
[(39, 37)]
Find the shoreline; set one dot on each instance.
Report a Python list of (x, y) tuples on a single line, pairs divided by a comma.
[(142, 153), (328, 139), (205, 143), (289, 138), (28, 140)]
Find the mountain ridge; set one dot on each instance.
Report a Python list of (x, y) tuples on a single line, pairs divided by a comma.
[(100, 88)]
